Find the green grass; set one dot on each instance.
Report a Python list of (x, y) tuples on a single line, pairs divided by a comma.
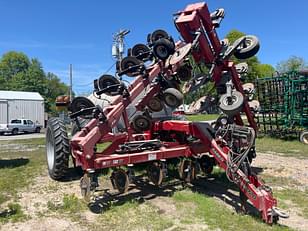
[(217, 216), (299, 198), (20, 162), (13, 213), (288, 148), (70, 204), (133, 216), (202, 117)]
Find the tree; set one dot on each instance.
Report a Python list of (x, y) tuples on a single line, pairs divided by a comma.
[(18, 72), (294, 63), (265, 70), (256, 69), (12, 63), (54, 88)]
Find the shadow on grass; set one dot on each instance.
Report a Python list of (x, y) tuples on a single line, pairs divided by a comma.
[(216, 185), (139, 192), (13, 163)]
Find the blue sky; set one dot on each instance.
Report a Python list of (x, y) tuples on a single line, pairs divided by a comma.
[(80, 32)]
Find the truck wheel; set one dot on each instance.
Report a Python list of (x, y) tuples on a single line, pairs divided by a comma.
[(38, 130), (57, 149), (15, 131)]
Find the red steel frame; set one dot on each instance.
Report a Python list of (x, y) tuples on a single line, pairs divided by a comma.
[(190, 20)]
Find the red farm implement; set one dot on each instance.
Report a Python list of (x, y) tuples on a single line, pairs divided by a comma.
[(158, 68)]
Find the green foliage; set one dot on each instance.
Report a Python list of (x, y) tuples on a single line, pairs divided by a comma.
[(234, 35), (14, 213), (19, 73), (256, 69), (294, 63)]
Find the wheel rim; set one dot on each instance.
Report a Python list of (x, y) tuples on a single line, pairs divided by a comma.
[(142, 124), (50, 149), (171, 100), (162, 51), (227, 103), (155, 105)]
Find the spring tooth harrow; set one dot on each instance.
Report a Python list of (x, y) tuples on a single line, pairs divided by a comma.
[(227, 143)]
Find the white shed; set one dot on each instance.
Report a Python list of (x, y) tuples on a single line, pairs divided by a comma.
[(21, 104)]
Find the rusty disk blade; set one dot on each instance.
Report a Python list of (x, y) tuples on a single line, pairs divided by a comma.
[(180, 54)]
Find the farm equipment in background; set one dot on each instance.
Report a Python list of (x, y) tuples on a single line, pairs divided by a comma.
[(158, 68), (284, 105)]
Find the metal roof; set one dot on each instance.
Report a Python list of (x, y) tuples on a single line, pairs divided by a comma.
[(21, 95)]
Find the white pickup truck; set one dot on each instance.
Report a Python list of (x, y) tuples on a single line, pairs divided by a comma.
[(20, 125)]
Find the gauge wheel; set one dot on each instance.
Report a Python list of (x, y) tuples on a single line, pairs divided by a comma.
[(79, 103), (173, 97), (158, 34), (141, 52), (57, 149), (155, 173), (249, 47), (128, 62), (109, 80), (155, 104), (233, 106), (163, 48), (141, 123)]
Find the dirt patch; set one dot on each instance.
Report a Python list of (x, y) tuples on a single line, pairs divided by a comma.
[(281, 166), (43, 224)]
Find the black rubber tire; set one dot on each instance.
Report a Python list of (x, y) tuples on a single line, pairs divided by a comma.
[(128, 62), (57, 146), (163, 48), (235, 107), (141, 51), (158, 34), (141, 123), (252, 48), (108, 80), (38, 130), (1, 133), (173, 97), (155, 104), (304, 137), (79, 103), (15, 131)]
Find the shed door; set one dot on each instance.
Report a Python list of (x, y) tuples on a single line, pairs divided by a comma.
[(3, 112)]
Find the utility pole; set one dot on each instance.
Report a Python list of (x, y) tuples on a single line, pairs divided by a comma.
[(71, 82), (118, 44)]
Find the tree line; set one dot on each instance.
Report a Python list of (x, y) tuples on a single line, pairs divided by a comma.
[(256, 69), (20, 73)]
